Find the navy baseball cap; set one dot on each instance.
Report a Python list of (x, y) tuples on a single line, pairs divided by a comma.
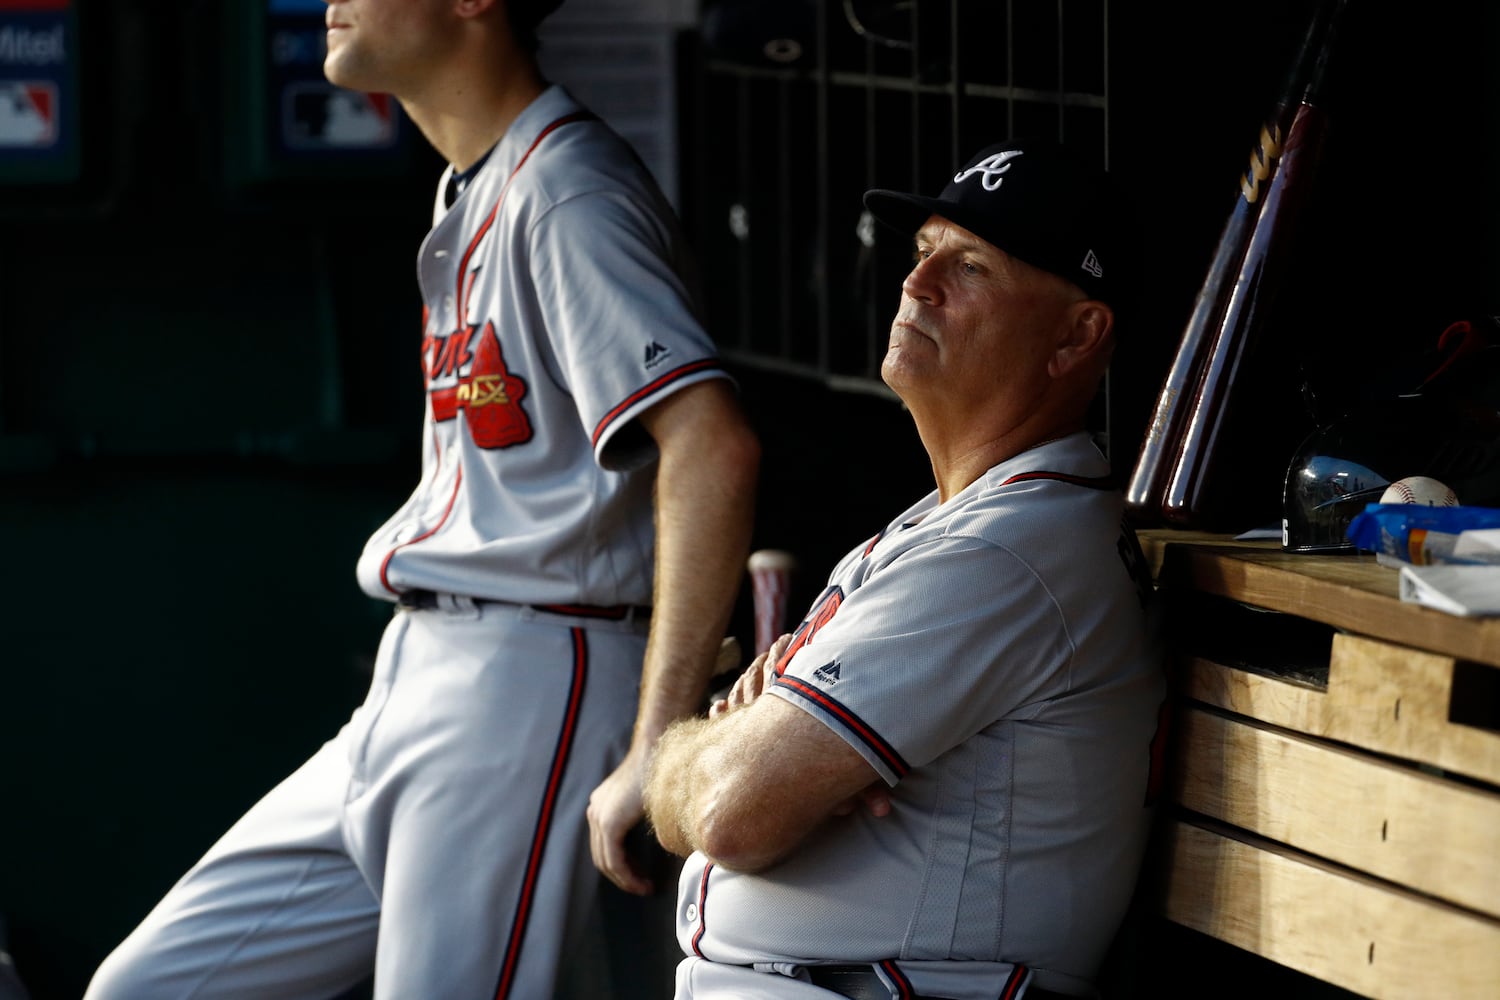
[(1035, 200)]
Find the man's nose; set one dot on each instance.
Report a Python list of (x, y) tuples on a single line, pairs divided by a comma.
[(921, 282)]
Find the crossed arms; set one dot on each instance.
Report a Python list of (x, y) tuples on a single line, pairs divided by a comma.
[(746, 785)]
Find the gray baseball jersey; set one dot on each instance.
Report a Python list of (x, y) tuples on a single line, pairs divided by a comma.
[(558, 307), (439, 838), (995, 660)]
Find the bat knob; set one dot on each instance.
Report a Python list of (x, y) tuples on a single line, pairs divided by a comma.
[(772, 561), (770, 576)]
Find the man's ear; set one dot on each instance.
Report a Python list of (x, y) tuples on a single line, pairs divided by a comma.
[(1087, 338), (472, 8)]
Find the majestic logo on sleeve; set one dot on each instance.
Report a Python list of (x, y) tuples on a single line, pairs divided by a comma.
[(656, 354), (480, 384)]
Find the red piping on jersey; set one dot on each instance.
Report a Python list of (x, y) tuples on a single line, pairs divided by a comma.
[(385, 564), (646, 390), (702, 910), (1018, 975), (867, 735), (1092, 482), (904, 990), (489, 220), (544, 816), (463, 294)]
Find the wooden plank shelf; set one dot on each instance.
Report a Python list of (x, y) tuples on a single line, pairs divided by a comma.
[(1351, 592), (1434, 834), (1335, 769), (1365, 935), (1379, 697)]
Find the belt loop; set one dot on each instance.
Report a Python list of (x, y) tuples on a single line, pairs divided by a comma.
[(452, 605), (458, 606)]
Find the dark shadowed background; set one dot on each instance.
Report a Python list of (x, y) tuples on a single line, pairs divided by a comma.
[(209, 390)]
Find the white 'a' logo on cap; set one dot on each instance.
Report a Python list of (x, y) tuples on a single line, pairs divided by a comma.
[(992, 168)]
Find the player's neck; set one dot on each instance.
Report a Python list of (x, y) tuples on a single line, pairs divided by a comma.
[(467, 113), (961, 453)]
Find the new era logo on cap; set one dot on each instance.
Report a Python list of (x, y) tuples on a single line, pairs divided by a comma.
[(1091, 265)]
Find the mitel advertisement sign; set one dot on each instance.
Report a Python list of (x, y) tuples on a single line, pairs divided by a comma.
[(39, 122)]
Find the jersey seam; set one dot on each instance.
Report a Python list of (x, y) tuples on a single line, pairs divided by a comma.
[(1062, 618)]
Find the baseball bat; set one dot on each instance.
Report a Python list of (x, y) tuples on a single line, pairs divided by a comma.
[(770, 579), (1169, 418), (1252, 294)]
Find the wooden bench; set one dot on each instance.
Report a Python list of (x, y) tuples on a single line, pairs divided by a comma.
[(1335, 770)]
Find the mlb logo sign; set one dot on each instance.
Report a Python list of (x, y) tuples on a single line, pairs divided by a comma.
[(320, 116), (28, 114)]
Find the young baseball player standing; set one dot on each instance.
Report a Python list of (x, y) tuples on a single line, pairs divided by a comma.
[(939, 784), (587, 475)]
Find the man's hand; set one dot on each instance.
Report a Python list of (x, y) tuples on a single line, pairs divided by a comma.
[(614, 809), (616, 806), (754, 681), (875, 797)]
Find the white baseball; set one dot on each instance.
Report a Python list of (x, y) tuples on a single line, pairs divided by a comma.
[(1420, 490)]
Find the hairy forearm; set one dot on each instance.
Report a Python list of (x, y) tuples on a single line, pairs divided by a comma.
[(669, 783), (747, 787), (705, 500), (700, 798), (704, 504)]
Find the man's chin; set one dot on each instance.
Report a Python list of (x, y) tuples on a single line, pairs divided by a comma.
[(895, 372), (339, 74)]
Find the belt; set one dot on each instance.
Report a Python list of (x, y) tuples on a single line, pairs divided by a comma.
[(861, 982), (427, 600)]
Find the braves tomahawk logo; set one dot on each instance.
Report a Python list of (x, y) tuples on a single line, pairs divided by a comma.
[(480, 384), (992, 169)]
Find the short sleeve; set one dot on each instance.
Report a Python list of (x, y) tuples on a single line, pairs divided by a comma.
[(948, 637), (622, 321)]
